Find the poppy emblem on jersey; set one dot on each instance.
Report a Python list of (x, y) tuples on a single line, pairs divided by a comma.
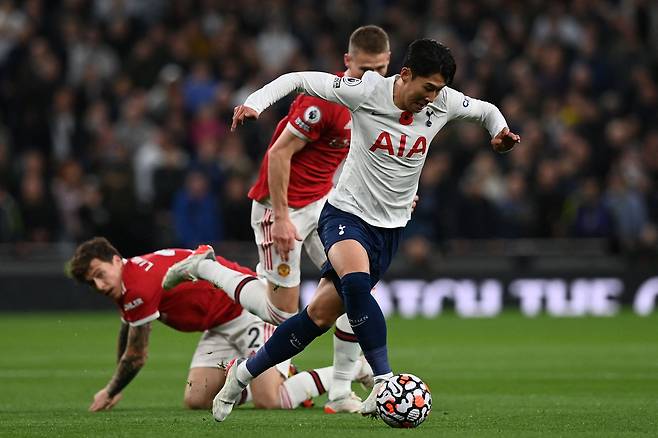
[(407, 118), (312, 115), (283, 269)]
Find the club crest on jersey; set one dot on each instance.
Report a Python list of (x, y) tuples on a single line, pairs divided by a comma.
[(351, 82), (283, 269), (312, 115)]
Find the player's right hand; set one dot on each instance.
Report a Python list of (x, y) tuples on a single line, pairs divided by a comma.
[(284, 234), (103, 401), (240, 113)]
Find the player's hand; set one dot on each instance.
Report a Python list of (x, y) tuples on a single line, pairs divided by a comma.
[(505, 141), (284, 234), (103, 401), (414, 203), (240, 113)]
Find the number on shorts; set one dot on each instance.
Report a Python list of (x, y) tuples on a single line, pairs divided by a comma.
[(255, 332)]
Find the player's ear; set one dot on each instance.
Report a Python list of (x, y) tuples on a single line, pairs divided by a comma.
[(405, 74), (347, 58)]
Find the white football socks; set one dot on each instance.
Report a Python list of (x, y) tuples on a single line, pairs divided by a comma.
[(243, 374), (305, 385), (346, 359), (248, 291)]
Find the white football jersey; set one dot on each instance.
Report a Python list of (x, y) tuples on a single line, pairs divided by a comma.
[(388, 146)]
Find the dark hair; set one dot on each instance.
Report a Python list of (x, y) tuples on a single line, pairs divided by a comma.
[(96, 248), (426, 57), (369, 39)]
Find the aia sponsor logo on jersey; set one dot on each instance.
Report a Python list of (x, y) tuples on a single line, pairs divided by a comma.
[(385, 142), (133, 304)]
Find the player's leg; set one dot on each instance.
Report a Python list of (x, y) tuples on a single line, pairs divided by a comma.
[(206, 376), (283, 276), (351, 263), (346, 360), (358, 253), (199, 387), (346, 346), (277, 297), (289, 339), (271, 389)]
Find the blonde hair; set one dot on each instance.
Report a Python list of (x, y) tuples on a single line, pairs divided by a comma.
[(369, 39)]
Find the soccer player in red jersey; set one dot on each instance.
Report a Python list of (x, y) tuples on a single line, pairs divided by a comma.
[(294, 180), (228, 331)]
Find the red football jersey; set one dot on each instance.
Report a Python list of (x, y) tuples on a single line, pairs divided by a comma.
[(189, 307), (326, 127)]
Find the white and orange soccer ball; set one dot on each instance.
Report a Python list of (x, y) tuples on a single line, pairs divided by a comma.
[(404, 401)]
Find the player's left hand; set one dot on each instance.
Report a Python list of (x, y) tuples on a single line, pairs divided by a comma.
[(240, 113), (103, 401), (505, 141)]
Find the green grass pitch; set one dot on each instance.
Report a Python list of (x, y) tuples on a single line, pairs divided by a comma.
[(503, 377)]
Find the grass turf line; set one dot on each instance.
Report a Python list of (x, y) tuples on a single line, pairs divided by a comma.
[(503, 377)]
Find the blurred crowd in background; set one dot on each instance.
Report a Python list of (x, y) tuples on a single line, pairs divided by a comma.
[(114, 116)]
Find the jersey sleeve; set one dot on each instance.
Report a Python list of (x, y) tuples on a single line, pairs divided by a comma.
[(140, 315), (141, 299), (349, 92), (308, 119), (461, 107)]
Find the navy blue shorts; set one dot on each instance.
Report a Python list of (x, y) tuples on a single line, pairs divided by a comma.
[(380, 244)]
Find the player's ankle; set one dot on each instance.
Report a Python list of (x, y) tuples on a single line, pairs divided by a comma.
[(243, 374), (383, 377)]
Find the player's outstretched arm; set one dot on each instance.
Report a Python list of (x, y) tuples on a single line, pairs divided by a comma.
[(284, 232), (132, 360), (323, 85), (505, 141), (486, 114)]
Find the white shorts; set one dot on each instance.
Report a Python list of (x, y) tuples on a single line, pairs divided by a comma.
[(240, 337), (270, 266)]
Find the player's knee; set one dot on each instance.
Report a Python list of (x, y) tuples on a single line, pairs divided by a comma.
[(355, 283), (196, 401), (323, 317), (267, 401), (284, 299)]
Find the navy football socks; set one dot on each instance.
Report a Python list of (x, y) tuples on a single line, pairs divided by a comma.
[(366, 319), (289, 339)]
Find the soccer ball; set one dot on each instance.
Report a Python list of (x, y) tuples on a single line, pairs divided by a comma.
[(404, 401)]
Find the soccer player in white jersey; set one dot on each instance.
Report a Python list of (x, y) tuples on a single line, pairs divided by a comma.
[(294, 180), (394, 120)]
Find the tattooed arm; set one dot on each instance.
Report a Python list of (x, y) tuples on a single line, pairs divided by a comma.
[(132, 359), (123, 340)]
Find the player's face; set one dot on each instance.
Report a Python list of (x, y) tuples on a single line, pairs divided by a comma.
[(359, 62), (418, 91), (105, 277)]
